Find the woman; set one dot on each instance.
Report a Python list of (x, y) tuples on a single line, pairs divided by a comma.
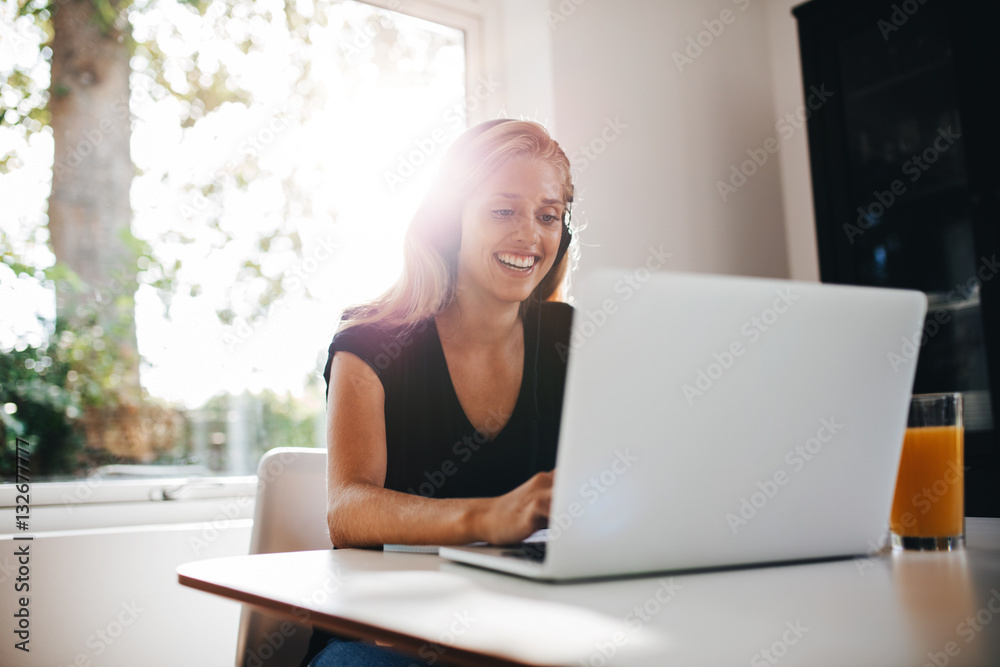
[(444, 394)]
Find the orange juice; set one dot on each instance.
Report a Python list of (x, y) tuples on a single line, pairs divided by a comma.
[(930, 486)]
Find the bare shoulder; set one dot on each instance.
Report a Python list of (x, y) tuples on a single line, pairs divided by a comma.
[(351, 376), (355, 431)]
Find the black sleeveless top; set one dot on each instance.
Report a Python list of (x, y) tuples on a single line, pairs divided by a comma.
[(432, 448)]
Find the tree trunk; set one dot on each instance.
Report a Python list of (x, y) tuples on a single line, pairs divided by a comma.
[(89, 207)]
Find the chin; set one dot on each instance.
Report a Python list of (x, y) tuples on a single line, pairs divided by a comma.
[(513, 295), (514, 298)]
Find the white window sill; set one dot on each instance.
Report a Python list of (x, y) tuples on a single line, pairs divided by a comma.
[(98, 502)]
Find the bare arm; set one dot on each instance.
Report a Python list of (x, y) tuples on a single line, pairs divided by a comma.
[(361, 512)]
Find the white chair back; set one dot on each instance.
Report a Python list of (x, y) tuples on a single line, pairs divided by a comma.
[(289, 515)]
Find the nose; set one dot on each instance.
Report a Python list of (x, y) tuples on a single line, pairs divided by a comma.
[(525, 229)]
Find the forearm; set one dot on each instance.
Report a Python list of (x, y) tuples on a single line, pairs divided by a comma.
[(365, 515)]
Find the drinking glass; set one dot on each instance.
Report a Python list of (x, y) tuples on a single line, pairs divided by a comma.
[(928, 510)]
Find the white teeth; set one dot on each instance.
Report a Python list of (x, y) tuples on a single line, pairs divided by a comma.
[(516, 260)]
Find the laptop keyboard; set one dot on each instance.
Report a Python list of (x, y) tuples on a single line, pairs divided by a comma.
[(533, 551)]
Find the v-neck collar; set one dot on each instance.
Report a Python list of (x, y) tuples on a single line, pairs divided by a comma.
[(529, 343)]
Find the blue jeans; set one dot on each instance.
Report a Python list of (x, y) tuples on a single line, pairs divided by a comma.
[(345, 653)]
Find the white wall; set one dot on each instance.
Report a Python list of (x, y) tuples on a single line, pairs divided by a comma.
[(796, 184), (527, 62), (602, 75), (683, 128), (110, 597)]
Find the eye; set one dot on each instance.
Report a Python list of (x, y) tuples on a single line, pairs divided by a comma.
[(548, 218), (503, 212)]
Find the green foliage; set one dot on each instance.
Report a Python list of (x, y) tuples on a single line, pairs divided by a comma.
[(78, 367), (28, 102), (48, 386), (273, 420), (18, 79), (33, 380), (286, 422), (86, 341)]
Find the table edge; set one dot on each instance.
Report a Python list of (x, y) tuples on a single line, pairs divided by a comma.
[(355, 629)]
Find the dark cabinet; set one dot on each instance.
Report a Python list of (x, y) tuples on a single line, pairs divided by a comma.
[(905, 161)]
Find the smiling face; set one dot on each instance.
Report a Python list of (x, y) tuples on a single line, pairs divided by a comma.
[(511, 226)]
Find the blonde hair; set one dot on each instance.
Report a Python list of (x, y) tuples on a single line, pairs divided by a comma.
[(426, 285)]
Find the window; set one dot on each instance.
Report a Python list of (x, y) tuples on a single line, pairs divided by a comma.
[(273, 153)]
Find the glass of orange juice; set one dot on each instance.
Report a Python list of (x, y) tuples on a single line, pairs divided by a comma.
[(928, 510)]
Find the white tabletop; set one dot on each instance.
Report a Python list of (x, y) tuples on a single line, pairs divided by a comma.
[(891, 609)]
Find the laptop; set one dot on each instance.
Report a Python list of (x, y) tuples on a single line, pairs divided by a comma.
[(713, 421)]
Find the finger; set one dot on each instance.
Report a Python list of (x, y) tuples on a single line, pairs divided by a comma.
[(543, 480), (544, 504)]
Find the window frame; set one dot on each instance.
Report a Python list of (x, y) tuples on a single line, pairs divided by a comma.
[(480, 21)]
